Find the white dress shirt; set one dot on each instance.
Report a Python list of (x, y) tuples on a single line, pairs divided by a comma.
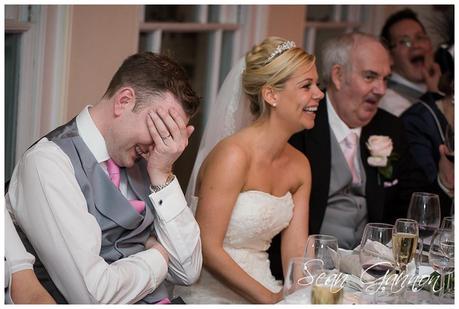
[(47, 203), (395, 103), (16, 256), (341, 131)]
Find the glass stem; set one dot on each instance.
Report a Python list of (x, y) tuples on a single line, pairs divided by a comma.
[(442, 285), (421, 251)]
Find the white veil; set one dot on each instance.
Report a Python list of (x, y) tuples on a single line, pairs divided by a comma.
[(229, 113)]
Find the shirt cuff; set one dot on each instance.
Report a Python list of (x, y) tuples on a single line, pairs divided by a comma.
[(19, 267), (169, 202)]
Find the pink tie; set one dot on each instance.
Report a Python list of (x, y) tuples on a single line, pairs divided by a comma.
[(114, 174), (164, 301), (350, 147)]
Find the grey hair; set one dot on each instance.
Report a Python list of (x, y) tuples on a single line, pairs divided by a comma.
[(338, 51)]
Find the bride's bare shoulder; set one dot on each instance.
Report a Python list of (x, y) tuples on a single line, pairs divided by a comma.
[(230, 150), (297, 159)]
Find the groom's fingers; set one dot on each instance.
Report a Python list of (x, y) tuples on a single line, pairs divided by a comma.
[(189, 130)]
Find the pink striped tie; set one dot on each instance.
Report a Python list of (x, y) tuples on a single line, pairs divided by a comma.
[(350, 147), (114, 174)]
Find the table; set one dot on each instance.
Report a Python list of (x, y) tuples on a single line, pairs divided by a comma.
[(354, 295)]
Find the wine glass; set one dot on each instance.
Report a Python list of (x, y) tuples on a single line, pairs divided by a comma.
[(449, 142), (376, 249), (300, 276), (324, 248), (448, 223), (425, 209), (404, 242), (376, 258), (441, 255)]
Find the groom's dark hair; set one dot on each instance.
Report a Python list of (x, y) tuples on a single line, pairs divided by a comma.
[(151, 74)]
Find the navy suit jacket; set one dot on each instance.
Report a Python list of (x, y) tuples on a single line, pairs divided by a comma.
[(384, 204), (423, 134), (424, 138)]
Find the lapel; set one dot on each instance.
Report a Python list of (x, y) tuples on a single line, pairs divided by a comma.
[(318, 150), (107, 199), (374, 190), (430, 99)]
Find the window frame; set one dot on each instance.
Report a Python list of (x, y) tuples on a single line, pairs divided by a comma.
[(45, 32)]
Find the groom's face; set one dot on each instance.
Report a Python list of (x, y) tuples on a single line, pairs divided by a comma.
[(132, 137)]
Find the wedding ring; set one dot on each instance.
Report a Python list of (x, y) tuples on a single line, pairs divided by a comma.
[(165, 137)]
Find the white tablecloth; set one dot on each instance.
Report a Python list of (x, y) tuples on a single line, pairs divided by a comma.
[(355, 297), (352, 295)]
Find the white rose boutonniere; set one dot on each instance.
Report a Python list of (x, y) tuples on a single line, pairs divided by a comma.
[(380, 148)]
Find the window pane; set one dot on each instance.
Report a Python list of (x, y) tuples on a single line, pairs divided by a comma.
[(344, 12), (171, 13), (12, 47), (224, 14), (143, 41), (214, 13), (191, 50), (320, 12), (323, 35), (226, 57)]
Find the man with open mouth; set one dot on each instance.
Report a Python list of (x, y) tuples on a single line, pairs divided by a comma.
[(414, 71)]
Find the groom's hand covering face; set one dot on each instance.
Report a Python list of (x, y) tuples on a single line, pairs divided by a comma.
[(169, 132)]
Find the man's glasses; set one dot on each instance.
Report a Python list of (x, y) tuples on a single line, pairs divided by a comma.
[(408, 42)]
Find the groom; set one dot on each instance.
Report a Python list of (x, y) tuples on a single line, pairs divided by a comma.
[(97, 198)]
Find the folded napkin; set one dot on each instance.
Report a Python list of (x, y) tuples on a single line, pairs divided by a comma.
[(350, 260)]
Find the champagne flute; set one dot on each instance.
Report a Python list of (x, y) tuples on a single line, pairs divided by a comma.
[(404, 242), (324, 248), (324, 292), (425, 210), (441, 255)]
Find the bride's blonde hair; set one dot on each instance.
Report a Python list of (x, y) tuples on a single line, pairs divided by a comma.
[(267, 65)]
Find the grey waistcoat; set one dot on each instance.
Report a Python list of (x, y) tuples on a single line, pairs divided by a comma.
[(124, 231), (346, 213)]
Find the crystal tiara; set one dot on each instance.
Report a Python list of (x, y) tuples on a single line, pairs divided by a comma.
[(280, 49)]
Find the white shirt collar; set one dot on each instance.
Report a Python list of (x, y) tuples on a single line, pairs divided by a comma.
[(339, 128), (422, 87), (91, 135)]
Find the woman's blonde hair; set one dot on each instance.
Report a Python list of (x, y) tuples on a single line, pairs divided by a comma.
[(262, 69)]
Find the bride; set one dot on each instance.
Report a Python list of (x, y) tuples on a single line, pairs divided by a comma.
[(253, 184)]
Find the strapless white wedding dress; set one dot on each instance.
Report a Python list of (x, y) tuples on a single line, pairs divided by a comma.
[(256, 218)]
